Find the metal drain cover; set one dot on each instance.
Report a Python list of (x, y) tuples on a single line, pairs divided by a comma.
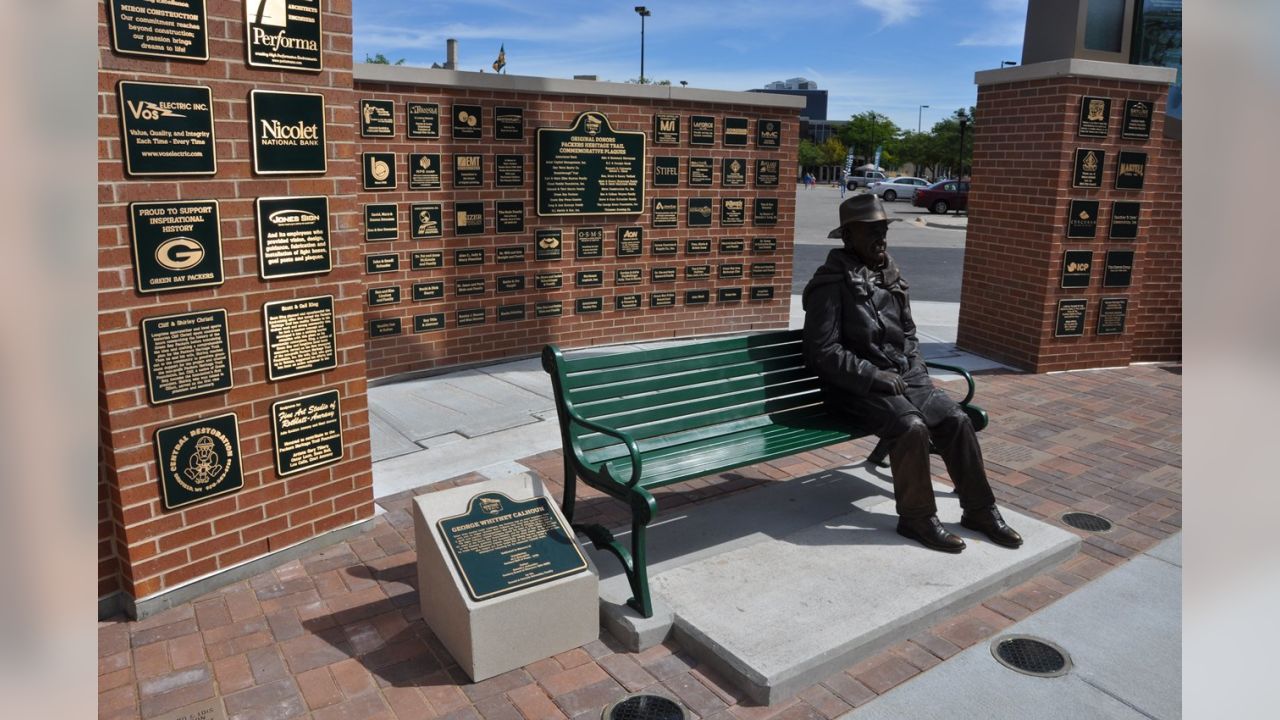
[(1087, 522), (644, 707), (1031, 655)]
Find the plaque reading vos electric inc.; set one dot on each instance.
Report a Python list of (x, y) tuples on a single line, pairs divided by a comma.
[(198, 460), (284, 34), (293, 236), (300, 336), (187, 355), (288, 132), (590, 169), (176, 245), (160, 28), (167, 129), (307, 432), (500, 545)]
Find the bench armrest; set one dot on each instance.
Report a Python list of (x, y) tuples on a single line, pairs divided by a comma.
[(959, 371), (632, 448)]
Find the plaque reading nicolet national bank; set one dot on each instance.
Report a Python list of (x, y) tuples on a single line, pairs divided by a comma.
[(288, 132), (590, 169)]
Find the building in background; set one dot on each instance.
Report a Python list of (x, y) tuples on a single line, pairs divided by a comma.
[(814, 125)]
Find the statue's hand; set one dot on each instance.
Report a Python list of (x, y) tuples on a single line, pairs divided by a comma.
[(888, 383)]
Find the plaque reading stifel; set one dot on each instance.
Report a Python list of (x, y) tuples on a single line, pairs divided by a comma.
[(381, 222), (307, 432), (1124, 220), (187, 355), (1087, 171), (379, 170), (424, 171), (160, 28), (198, 460), (666, 129), (423, 120), (377, 118), (467, 122), (284, 34), (589, 169), (702, 130), (1070, 318), (1137, 120), (666, 171), (293, 236), (508, 123), (176, 245), (167, 129), (288, 132), (300, 337), (1082, 219), (1095, 116)]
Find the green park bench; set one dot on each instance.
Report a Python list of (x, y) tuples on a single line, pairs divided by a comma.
[(635, 421)]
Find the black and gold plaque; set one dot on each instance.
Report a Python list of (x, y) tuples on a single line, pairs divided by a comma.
[(1124, 220), (589, 168), (187, 355), (701, 171), (665, 246), (762, 292), (1119, 269), (423, 119), (379, 170), (468, 218), (468, 287), (697, 272), (1111, 315), (1137, 120), (630, 241), (733, 212), (508, 216), (177, 245), (426, 220), (1070, 318), (1077, 267), (729, 271), (198, 460), (702, 130), (588, 278), (729, 294), (628, 276), (666, 213), (284, 34), (768, 133), (732, 246), (293, 236), (386, 262), (424, 171), (699, 212), (698, 246), (389, 295), (666, 129), (735, 131), (428, 291), (307, 432), (697, 297), (426, 260), (1095, 116), (381, 222), (733, 172), (765, 212), (548, 281), (663, 299), (1082, 219), (428, 322), (508, 123), (467, 122), (160, 28), (764, 244), (167, 129), (288, 132), (509, 283), (509, 254), (384, 327), (377, 117), (588, 242), (1131, 167), (767, 173), (468, 170), (582, 306), (763, 269), (666, 171), (472, 316), (299, 336), (630, 301), (662, 274), (548, 308), (507, 313), (463, 257), (548, 244), (508, 171), (1087, 170)]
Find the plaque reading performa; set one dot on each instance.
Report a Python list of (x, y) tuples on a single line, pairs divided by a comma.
[(1077, 265), (766, 212), (767, 173), (167, 129), (423, 120), (468, 218), (288, 132), (666, 129), (733, 173), (699, 212), (630, 241), (701, 171), (1119, 269), (1124, 220), (1131, 167), (500, 545), (588, 242), (1087, 170), (1082, 219), (666, 213), (187, 355), (468, 170), (548, 244), (377, 117), (508, 123), (1111, 315), (176, 245), (733, 212), (381, 222), (293, 236), (1070, 318), (300, 336), (1137, 120), (198, 460), (1095, 116), (284, 34), (508, 171), (424, 171), (590, 169), (384, 327), (508, 216), (702, 130), (426, 221), (160, 28), (735, 131), (666, 171), (467, 122), (769, 134), (307, 432), (379, 170)]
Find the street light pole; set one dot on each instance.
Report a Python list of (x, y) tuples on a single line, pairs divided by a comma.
[(919, 116), (964, 123), (643, 12)]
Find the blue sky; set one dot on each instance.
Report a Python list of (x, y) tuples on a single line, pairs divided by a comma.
[(885, 55)]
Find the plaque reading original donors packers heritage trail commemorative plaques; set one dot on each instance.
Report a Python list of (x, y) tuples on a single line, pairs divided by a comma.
[(288, 132), (300, 336), (198, 460), (168, 129), (590, 169), (176, 245), (284, 34), (307, 432), (160, 28), (293, 236), (187, 355), (500, 545)]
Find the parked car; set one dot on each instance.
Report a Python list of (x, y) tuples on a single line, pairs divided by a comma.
[(894, 188), (862, 178), (942, 196)]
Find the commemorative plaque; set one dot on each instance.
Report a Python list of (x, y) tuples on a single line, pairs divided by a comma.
[(509, 283), (549, 308), (666, 129), (697, 297), (1130, 169), (662, 274), (701, 171), (763, 269), (198, 460), (630, 301), (468, 287), (733, 172), (590, 168), (666, 171), (1077, 265), (167, 129), (426, 220), (733, 212), (468, 218), (467, 122), (426, 260), (160, 28), (1137, 120), (729, 295), (764, 244), (508, 171), (379, 170), (630, 241), (284, 34), (1124, 220), (1082, 219), (697, 272), (187, 355), (663, 299), (762, 292), (423, 120), (1111, 315), (1087, 171), (1119, 269), (588, 278), (389, 295), (300, 336), (307, 432), (428, 322), (699, 212), (582, 306), (1070, 318), (468, 170), (384, 327), (765, 212), (769, 133), (548, 281), (588, 242), (177, 245), (628, 276), (729, 271), (424, 171), (666, 213), (665, 246), (735, 131), (508, 216), (288, 132), (472, 316), (508, 123), (463, 257), (507, 313), (386, 262), (767, 172), (732, 246), (381, 222), (698, 246), (1095, 116), (702, 130), (547, 244), (428, 291), (293, 236), (509, 254), (377, 117)]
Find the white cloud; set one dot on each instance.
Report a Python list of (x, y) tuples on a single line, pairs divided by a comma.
[(1003, 34), (894, 12)]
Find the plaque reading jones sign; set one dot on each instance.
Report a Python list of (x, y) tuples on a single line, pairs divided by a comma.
[(168, 129), (187, 355), (160, 28), (293, 236), (307, 432), (283, 34), (590, 169), (300, 337), (176, 245)]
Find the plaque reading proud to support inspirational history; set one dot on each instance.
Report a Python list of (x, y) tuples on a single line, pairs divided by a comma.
[(187, 355), (702, 130), (423, 120), (1070, 318), (379, 170), (1111, 315), (666, 213), (198, 460), (1077, 266), (590, 169), (300, 337), (168, 129), (767, 173), (1124, 220), (500, 545), (467, 122), (1082, 219), (1137, 120), (508, 123), (377, 118), (284, 34), (666, 129), (293, 236), (288, 132), (160, 28), (424, 171), (307, 432), (666, 171), (735, 131), (381, 222), (176, 245), (1087, 171), (768, 133), (1131, 168), (508, 171), (1095, 115)]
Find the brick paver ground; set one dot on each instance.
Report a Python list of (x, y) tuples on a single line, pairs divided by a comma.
[(339, 634)]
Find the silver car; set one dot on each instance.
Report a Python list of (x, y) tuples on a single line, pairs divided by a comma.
[(899, 187)]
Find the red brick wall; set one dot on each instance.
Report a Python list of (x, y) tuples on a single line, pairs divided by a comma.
[(1158, 334)]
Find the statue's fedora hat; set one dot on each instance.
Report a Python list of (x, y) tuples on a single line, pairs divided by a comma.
[(863, 207)]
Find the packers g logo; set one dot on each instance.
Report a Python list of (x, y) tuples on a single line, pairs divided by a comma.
[(180, 253)]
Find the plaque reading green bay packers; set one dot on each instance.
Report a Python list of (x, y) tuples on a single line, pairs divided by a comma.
[(423, 119), (198, 460), (508, 171), (764, 244), (666, 213), (729, 295), (468, 218), (662, 274), (307, 432), (665, 246), (702, 130), (733, 212), (582, 306), (735, 131), (733, 172), (1131, 168), (628, 276), (701, 171), (384, 327), (663, 299), (768, 133), (176, 245), (467, 287), (698, 246), (500, 545), (428, 322), (508, 123), (588, 242), (1119, 269), (508, 216), (507, 313), (379, 170), (468, 256), (385, 262), (699, 212), (1087, 171), (160, 28), (381, 222), (766, 212), (377, 118), (472, 316), (588, 278), (467, 122), (424, 171), (1095, 116), (1082, 219), (167, 129), (293, 236), (1070, 318), (1077, 266), (548, 244), (549, 308), (666, 171), (1124, 220), (509, 254), (767, 173), (288, 132), (300, 337), (1137, 120), (1111, 315), (630, 301), (428, 291), (389, 295), (548, 281), (732, 246), (666, 129), (509, 283), (187, 355), (426, 260), (468, 170), (590, 169), (426, 220), (630, 241), (284, 34), (697, 297)]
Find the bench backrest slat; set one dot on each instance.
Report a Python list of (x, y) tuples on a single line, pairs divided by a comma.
[(610, 360), (581, 397), (639, 366), (659, 395)]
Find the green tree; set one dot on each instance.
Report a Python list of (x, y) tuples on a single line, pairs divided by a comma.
[(946, 143), (868, 130), (832, 152), (810, 155), (648, 81), (381, 59)]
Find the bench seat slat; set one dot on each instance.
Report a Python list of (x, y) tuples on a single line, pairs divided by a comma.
[(714, 373), (610, 360), (637, 370), (636, 410)]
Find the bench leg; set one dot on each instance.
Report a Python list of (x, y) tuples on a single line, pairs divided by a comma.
[(570, 490), (638, 573), (879, 455)]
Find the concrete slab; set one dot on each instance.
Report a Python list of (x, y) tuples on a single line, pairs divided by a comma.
[(387, 442), (525, 374), (1169, 551)]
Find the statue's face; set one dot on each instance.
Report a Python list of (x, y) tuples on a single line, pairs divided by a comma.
[(867, 241)]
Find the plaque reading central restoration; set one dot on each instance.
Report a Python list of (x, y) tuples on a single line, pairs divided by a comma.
[(590, 169), (198, 460), (300, 336), (307, 432)]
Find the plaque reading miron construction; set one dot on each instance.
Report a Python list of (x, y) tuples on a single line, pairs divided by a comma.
[(293, 236), (187, 355), (284, 34), (160, 28), (198, 460), (590, 169), (176, 245), (299, 336), (307, 432), (288, 132), (167, 129)]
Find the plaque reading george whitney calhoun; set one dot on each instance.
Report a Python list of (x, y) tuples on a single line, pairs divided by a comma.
[(160, 28), (288, 132), (500, 545), (300, 336), (283, 34), (1095, 115), (187, 355), (167, 129), (666, 129), (423, 120), (307, 432), (377, 118), (1124, 220), (590, 169), (176, 245), (1087, 171), (198, 460), (1082, 219), (293, 236)]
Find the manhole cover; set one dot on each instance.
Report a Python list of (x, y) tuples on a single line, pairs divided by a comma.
[(1031, 656), (1087, 522), (644, 707)]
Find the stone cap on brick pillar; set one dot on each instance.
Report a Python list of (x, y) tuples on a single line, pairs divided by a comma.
[(1075, 67)]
